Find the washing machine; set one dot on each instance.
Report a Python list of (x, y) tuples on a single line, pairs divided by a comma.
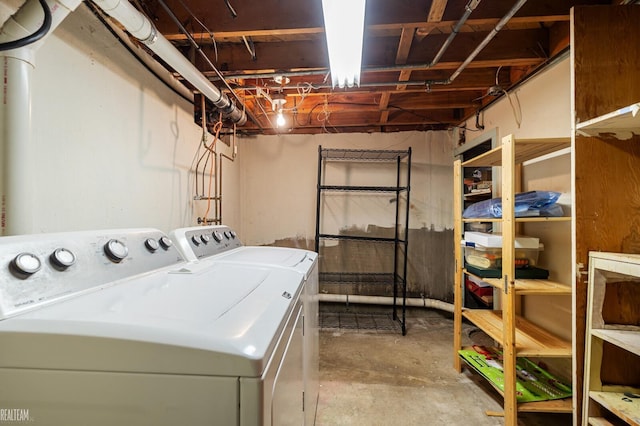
[(117, 328), (221, 244)]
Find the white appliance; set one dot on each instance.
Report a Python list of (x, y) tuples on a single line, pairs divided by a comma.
[(115, 328), (220, 244)]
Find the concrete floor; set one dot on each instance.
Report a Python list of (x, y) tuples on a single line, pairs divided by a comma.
[(370, 377)]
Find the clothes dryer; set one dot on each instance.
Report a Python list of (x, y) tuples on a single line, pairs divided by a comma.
[(115, 327), (221, 244)]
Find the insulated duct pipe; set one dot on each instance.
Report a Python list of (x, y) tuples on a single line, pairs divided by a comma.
[(16, 138), (141, 28), (383, 300)]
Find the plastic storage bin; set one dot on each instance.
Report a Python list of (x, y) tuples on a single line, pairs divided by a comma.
[(483, 250)]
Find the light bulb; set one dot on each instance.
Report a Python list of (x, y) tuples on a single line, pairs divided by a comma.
[(280, 119)]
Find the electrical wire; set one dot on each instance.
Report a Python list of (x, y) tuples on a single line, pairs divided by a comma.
[(204, 27), (517, 115), (234, 15), (31, 38)]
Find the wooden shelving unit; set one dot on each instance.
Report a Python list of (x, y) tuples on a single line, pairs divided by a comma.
[(614, 280), (516, 335)]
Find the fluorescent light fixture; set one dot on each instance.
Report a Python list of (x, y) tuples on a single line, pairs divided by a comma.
[(344, 28)]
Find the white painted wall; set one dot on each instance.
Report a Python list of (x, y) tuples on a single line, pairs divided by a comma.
[(113, 145), (279, 177), (544, 103)]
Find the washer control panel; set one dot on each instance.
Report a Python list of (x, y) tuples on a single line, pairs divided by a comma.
[(200, 242), (42, 268)]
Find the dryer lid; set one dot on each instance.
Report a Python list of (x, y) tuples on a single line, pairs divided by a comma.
[(284, 257), (206, 319)]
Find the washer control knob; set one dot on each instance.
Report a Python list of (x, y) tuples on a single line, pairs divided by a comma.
[(26, 263), (116, 250), (151, 245), (165, 242), (217, 236), (233, 234), (227, 235), (195, 240), (62, 258), (205, 238)]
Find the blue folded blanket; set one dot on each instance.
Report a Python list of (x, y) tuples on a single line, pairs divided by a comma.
[(531, 203)]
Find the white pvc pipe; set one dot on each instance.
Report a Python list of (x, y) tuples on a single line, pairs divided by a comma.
[(16, 138), (153, 64), (15, 121), (141, 28), (385, 300)]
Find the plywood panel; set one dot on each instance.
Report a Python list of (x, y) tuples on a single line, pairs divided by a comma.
[(607, 57), (607, 211)]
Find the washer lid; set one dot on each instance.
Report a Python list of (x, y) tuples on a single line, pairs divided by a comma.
[(207, 319), (299, 260)]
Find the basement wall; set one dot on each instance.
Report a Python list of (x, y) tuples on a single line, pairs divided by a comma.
[(113, 145), (279, 179)]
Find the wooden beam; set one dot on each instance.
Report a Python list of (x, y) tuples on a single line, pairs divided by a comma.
[(404, 76), (406, 38), (422, 28), (437, 10), (522, 62)]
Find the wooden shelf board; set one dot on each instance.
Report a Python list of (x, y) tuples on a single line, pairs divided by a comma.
[(620, 123), (599, 421), (479, 194), (529, 286), (531, 340), (626, 339), (544, 219), (554, 406), (612, 401), (532, 287), (520, 219), (526, 149)]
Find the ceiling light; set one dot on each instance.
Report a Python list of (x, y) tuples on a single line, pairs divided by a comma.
[(277, 103), (344, 28)]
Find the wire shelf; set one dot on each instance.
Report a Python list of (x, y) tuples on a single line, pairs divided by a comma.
[(363, 155)]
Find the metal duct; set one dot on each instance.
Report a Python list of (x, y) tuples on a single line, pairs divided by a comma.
[(487, 39), (140, 27)]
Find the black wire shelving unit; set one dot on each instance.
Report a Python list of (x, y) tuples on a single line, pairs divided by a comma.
[(396, 277)]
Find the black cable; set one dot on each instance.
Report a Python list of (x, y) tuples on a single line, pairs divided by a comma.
[(31, 38)]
